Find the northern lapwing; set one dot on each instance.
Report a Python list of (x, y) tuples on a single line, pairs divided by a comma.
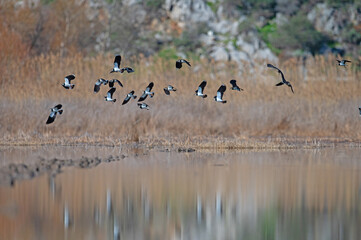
[(178, 63), (117, 61), (234, 85), (199, 91), (342, 62), (67, 84), (128, 97), (284, 81), (109, 96), (147, 92), (220, 93), (126, 69), (111, 83), (54, 111), (143, 106), (98, 83), (168, 89)]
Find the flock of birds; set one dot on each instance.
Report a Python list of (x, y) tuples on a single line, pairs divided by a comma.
[(147, 92)]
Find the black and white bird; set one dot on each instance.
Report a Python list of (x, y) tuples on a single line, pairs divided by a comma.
[(220, 93), (67, 84), (128, 97), (284, 81), (168, 89), (359, 109), (342, 62), (113, 81), (54, 111), (234, 85), (147, 92), (143, 106), (117, 61), (126, 69), (98, 83), (178, 63), (109, 96), (199, 91)]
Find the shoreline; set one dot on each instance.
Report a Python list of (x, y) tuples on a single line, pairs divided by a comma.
[(182, 144)]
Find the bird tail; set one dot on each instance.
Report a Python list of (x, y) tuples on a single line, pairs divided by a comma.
[(72, 86), (152, 94), (224, 101), (174, 89), (279, 84), (204, 96), (60, 111), (114, 100)]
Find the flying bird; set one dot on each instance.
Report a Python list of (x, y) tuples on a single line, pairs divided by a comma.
[(111, 83), (67, 84), (98, 83), (359, 109), (284, 81), (220, 93), (342, 62), (234, 85), (147, 92), (128, 97), (109, 96), (168, 89), (117, 61), (178, 63), (54, 111), (127, 69), (199, 91), (143, 106)]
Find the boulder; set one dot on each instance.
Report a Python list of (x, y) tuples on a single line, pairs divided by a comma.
[(187, 11)]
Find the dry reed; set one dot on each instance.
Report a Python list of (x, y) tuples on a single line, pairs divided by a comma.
[(325, 103)]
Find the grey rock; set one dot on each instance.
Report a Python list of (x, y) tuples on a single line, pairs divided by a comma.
[(219, 53), (327, 19), (187, 11)]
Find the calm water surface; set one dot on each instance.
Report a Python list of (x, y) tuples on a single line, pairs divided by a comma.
[(114, 193)]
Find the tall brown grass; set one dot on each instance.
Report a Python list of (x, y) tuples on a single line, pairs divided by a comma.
[(325, 103)]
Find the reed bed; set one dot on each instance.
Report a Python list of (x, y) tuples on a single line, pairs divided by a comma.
[(324, 106)]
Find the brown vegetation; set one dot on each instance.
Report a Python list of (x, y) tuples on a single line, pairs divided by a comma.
[(325, 103)]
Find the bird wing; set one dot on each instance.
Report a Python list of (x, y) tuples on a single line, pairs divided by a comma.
[(97, 85), (51, 117), (178, 64), (359, 109), (203, 85), (143, 97), (149, 87), (69, 78), (233, 82), (110, 92), (291, 88), (346, 61), (279, 84), (59, 106), (128, 69), (126, 99), (117, 81), (220, 91), (338, 60), (166, 91), (117, 60), (185, 61)]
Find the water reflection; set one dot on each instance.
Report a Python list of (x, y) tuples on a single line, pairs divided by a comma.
[(313, 194)]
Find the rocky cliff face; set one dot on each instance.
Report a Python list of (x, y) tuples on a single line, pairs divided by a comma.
[(223, 30)]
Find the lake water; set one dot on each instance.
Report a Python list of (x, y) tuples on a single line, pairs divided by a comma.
[(114, 193)]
